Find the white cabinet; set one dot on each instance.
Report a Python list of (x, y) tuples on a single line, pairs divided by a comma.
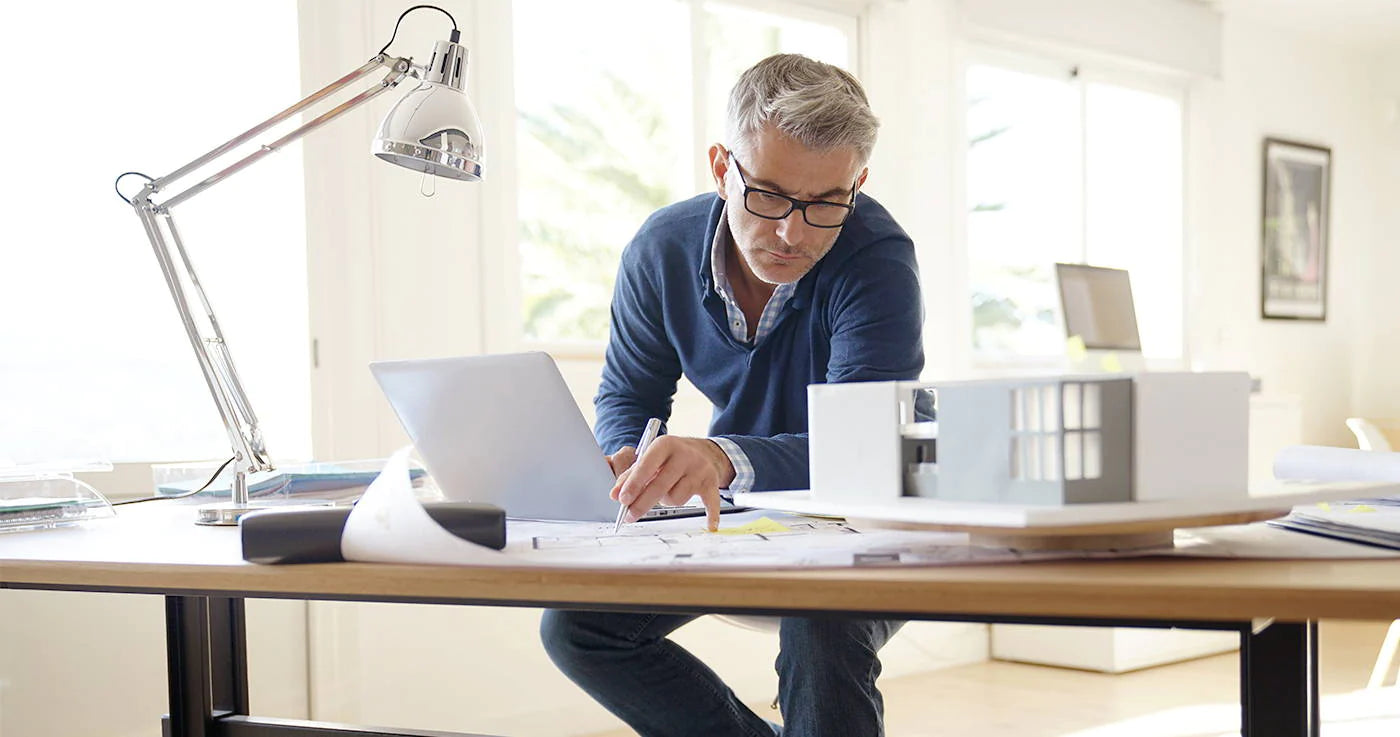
[(1105, 649)]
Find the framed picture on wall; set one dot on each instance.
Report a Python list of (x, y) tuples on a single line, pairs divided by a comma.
[(1296, 217)]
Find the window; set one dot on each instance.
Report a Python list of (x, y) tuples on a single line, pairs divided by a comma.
[(615, 115), (1063, 165), (1035, 435), (1083, 439), (93, 360)]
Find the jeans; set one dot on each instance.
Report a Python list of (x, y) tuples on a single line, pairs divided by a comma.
[(826, 675)]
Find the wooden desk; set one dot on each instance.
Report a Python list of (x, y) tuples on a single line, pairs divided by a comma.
[(201, 574)]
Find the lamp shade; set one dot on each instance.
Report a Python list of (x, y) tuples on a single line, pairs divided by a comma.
[(434, 128)]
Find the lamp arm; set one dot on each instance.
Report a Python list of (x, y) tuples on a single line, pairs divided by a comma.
[(399, 68), (206, 337)]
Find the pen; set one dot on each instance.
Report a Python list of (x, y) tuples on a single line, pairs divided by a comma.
[(649, 434)]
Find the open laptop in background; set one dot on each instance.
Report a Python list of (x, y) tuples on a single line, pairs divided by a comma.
[(1097, 304), (504, 430)]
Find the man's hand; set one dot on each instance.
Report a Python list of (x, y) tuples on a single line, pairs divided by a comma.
[(673, 470)]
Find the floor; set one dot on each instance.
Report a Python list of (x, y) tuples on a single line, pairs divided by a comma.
[(1197, 698)]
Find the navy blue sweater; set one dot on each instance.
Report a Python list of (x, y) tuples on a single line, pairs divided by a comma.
[(856, 316)]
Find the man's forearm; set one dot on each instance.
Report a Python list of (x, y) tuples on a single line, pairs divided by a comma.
[(766, 463)]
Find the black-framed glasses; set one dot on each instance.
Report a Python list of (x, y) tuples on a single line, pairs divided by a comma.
[(775, 206)]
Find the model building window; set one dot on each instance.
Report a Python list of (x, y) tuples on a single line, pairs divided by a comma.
[(1035, 452), (1083, 431)]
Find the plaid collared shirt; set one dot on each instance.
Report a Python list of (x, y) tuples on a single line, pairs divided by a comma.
[(738, 324), (739, 328)]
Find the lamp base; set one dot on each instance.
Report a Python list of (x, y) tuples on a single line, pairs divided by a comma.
[(227, 514)]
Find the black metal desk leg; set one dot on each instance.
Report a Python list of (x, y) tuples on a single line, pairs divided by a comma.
[(206, 663), (228, 655), (1278, 681), (187, 666)]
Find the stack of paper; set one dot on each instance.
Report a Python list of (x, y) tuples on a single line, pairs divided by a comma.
[(1371, 522)]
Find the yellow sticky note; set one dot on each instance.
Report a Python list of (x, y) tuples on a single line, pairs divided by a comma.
[(1324, 506), (1074, 347), (760, 525), (1362, 508), (1110, 363)]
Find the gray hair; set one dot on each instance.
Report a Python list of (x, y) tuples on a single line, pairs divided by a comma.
[(819, 105)]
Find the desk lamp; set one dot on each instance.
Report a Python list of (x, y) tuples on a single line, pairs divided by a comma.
[(433, 129)]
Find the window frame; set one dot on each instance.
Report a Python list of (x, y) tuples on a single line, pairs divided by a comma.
[(1052, 61), (505, 296), (131, 474)]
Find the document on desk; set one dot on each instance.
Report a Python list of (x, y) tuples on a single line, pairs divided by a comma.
[(389, 525), (1372, 522)]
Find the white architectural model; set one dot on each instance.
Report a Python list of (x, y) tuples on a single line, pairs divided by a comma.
[(1037, 441)]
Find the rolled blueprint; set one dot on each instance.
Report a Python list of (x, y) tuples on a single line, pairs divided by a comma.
[(1324, 463)]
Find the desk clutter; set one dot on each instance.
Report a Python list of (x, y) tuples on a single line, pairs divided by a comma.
[(902, 474), (47, 498), (40, 495), (1371, 521), (390, 525), (332, 480)]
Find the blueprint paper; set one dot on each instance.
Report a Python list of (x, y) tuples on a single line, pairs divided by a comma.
[(805, 543), (390, 525)]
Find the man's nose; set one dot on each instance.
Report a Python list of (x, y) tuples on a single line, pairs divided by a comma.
[(793, 230)]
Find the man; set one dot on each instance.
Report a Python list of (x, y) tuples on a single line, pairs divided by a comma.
[(787, 276)]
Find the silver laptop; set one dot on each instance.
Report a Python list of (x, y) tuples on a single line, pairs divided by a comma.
[(504, 430)]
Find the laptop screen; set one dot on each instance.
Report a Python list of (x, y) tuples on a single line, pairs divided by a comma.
[(1098, 306)]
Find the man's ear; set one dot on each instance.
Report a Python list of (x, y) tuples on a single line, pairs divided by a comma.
[(719, 166), (860, 180)]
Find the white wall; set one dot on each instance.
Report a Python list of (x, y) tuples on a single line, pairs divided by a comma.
[(1377, 386), (1283, 84)]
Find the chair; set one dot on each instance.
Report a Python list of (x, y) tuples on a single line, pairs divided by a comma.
[(1381, 671), (1369, 436)]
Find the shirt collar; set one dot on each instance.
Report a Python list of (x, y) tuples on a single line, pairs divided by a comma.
[(719, 245)]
